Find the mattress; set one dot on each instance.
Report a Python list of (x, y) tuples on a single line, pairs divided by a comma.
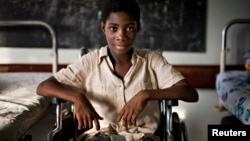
[(234, 91), (20, 106)]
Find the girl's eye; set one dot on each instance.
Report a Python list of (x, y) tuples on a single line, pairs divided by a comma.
[(131, 28), (112, 28)]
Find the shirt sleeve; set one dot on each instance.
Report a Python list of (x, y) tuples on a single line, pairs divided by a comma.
[(166, 75), (74, 74)]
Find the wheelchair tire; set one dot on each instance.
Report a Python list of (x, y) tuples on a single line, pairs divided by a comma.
[(179, 128), (184, 131), (177, 132)]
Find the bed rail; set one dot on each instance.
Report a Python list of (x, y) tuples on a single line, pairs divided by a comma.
[(224, 51), (224, 48), (43, 24)]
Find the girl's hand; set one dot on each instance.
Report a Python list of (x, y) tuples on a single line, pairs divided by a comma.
[(86, 114), (132, 109)]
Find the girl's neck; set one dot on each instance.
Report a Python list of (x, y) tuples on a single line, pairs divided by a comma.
[(121, 59)]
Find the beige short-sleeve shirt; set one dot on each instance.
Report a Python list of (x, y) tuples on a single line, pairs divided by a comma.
[(94, 75)]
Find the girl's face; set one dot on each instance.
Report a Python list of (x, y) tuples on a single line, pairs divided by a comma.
[(120, 30)]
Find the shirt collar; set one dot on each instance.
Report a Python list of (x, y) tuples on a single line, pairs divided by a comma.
[(104, 53)]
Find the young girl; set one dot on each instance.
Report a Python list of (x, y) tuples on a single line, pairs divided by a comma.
[(116, 88)]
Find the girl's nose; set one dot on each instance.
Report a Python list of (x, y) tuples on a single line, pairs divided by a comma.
[(121, 35)]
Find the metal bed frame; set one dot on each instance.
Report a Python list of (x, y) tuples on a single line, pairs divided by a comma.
[(41, 24), (224, 51), (38, 23)]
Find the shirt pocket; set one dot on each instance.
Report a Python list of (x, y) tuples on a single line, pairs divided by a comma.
[(98, 90), (103, 93), (143, 85), (134, 89)]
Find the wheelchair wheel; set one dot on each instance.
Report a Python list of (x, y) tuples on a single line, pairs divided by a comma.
[(176, 127), (179, 128), (184, 131)]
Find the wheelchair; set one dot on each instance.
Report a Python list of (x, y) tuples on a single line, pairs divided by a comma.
[(171, 128)]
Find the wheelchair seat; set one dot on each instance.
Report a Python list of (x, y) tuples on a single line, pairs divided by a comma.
[(171, 128)]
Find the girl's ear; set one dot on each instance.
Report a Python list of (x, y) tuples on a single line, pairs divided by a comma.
[(103, 26)]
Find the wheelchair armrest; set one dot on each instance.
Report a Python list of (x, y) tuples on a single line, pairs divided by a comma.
[(57, 100), (172, 102)]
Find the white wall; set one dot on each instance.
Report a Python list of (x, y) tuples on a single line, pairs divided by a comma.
[(197, 115)]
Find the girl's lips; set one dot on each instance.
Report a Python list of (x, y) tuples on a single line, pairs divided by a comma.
[(121, 46)]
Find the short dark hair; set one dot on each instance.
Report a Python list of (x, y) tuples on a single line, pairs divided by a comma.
[(130, 7)]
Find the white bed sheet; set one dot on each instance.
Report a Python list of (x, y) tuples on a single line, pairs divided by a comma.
[(20, 106), (234, 91)]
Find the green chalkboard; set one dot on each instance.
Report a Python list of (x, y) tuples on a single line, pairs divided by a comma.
[(169, 25)]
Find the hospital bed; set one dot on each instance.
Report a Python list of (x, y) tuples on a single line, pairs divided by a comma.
[(20, 106), (231, 84)]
